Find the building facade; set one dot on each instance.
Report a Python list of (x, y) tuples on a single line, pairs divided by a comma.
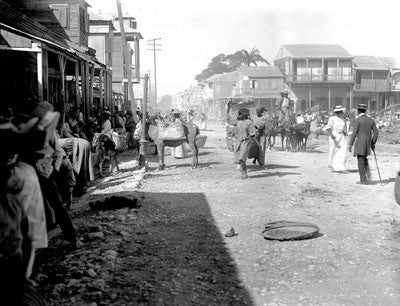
[(43, 49), (319, 75)]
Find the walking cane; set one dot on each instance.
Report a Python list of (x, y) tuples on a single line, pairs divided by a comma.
[(379, 173)]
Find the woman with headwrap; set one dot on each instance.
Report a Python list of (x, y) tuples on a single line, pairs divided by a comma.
[(244, 139), (259, 124)]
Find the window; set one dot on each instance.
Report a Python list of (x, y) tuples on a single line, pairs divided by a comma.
[(253, 84)]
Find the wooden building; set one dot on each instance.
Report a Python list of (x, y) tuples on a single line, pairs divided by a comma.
[(101, 39), (120, 80), (45, 65), (319, 75), (255, 86), (372, 82), (261, 85)]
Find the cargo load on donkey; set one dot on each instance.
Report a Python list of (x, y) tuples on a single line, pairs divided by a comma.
[(171, 131), (173, 134)]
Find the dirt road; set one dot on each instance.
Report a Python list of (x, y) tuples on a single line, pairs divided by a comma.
[(173, 250)]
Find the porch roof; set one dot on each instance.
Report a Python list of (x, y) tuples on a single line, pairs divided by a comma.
[(313, 51), (369, 63), (13, 21), (224, 77), (261, 71)]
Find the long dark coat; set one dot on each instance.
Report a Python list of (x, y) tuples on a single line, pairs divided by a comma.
[(364, 127)]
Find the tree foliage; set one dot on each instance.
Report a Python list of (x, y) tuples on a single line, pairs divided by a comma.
[(165, 103), (227, 63)]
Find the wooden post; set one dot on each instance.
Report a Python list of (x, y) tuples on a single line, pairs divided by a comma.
[(39, 57), (83, 88), (329, 98), (143, 141), (62, 61), (351, 98), (309, 99), (77, 91), (87, 85), (101, 87), (92, 70), (45, 75)]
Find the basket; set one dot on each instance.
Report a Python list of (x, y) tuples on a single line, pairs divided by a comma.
[(201, 141), (120, 140), (67, 144), (171, 131)]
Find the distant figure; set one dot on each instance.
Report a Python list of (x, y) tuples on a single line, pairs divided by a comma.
[(106, 128), (337, 130), (283, 104), (259, 124), (203, 121), (364, 126), (300, 119), (244, 140)]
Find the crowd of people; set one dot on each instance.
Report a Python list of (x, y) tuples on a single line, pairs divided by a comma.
[(344, 129), (47, 159)]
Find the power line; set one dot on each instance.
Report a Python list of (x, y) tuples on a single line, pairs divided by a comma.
[(154, 47)]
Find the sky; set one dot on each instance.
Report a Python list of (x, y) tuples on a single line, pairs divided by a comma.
[(193, 32)]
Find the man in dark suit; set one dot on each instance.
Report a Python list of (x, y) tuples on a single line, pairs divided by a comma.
[(365, 135)]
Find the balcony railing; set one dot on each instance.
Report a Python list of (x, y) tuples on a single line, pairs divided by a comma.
[(322, 78), (372, 85), (254, 92)]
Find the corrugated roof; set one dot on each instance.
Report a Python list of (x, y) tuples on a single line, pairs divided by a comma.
[(261, 71), (312, 51), (250, 71), (14, 21), (369, 63), (99, 17), (226, 77)]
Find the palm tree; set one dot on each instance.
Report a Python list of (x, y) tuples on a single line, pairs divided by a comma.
[(246, 58)]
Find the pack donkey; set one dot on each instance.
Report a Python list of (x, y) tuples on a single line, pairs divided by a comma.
[(191, 131)]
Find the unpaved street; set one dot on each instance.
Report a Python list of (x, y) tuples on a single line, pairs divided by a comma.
[(355, 261), (172, 251)]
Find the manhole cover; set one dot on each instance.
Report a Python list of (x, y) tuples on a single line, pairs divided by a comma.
[(289, 230)]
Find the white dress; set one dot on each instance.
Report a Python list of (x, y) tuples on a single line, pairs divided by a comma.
[(338, 144)]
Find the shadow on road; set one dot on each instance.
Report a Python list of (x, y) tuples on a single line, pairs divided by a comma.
[(269, 174), (276, 166), (170, 253), (181, 254), (383, 182)]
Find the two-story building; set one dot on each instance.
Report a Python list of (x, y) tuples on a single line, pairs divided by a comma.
[(394, 66), (261, 85), (218, 90), (372, 82), (120, 73), (319, 75)]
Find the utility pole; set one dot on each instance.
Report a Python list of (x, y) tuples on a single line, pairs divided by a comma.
[(154, 47), (143, 135), (127, 61)]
